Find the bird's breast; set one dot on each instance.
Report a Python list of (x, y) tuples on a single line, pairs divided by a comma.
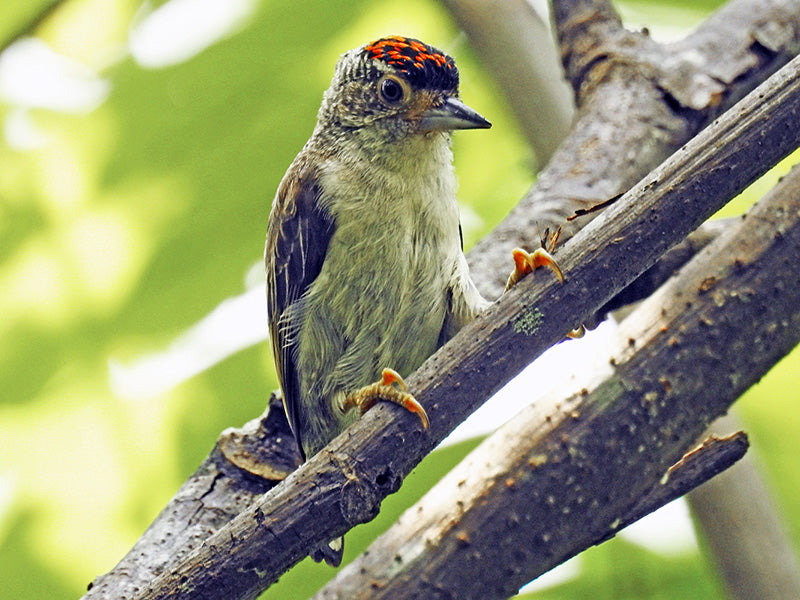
[(383, 288)]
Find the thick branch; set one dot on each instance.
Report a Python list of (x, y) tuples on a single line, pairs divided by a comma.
[(385, 570), (210, 498), (639, 102), (218, 491), (669, 264), (344, 484), (574, 468)]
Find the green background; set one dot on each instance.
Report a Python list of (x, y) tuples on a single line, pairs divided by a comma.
[(133, 221)]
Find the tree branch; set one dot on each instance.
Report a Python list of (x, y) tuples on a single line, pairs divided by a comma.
[(343, 484), (590, 457), (412, 559), (638, 102)]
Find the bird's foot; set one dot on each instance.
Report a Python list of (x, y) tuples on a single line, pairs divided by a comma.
[(525, 263), (391, 388)]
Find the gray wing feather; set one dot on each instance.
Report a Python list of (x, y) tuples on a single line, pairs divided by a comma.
[(297, 241)]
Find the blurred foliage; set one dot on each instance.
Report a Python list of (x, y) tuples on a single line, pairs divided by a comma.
[(128, 223), (21, 16)]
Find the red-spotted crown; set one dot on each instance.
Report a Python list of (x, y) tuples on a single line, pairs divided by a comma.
[(422, 65)]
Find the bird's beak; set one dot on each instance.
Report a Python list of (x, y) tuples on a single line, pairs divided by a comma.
[(452, 114)]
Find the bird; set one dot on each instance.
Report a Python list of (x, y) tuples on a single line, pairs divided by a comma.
[(366, 275)]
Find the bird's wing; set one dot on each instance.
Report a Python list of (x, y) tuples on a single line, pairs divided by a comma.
[(297, 240)]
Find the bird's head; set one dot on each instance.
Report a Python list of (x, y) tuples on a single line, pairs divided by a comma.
[(397, 87)]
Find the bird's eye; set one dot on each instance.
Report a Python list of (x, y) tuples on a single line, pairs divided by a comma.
[(392, 91)]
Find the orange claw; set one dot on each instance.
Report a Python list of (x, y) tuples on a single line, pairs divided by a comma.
[(541, 258), (411, 405), (521, 264), (390, 376), (407, 401), (385, 389), (525, 263)]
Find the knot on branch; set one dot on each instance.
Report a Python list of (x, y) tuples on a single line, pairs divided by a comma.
[(365, 485), (263, 447), (359, 502)]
